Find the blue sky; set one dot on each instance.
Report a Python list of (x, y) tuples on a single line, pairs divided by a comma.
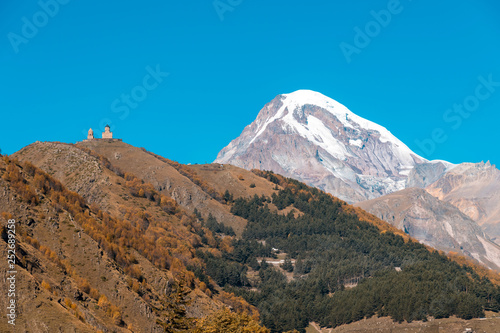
[(183, 78)]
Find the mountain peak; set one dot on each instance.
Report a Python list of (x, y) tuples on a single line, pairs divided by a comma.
[(309, 136), (306, 92), (341, 112), (309, 96)]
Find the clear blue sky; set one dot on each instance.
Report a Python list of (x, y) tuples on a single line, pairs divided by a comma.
[(73, 68)]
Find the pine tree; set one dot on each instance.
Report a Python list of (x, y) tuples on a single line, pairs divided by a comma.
[(287, 265)]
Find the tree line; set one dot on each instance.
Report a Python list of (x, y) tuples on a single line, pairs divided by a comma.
[(395, 277)]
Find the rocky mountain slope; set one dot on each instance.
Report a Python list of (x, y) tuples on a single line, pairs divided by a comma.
[(424, 174), (308, 136), (435, 223), (474, 188), (73, 273)]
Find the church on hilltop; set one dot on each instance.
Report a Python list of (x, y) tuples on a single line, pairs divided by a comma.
[(106, 135)]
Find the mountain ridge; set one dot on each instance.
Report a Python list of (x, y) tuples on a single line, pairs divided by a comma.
[(435, 223), (309, 136)]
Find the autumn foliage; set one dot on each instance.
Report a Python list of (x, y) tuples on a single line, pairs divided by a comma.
[(193, 176), (229, 322), (168, 242)]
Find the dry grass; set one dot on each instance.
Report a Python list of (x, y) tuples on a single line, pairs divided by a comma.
[(490, 324), (236, 180)]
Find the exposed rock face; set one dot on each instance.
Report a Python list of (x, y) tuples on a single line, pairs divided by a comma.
[(435, 223), (81, 172), (310, 137), (474, 188), (427, 173)]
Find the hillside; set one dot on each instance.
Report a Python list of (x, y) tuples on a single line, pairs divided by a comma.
[(435, 223), (82, 173), (449, 325), (87, 268), (176, 243), (343, 265), (69, 277)]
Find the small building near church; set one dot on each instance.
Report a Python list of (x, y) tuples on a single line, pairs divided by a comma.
[(107, 134)]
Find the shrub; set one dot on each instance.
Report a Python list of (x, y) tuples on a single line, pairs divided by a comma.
[(46, 286)]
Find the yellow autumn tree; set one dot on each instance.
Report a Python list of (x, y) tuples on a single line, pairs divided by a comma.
[(225, 321), (103, 302)]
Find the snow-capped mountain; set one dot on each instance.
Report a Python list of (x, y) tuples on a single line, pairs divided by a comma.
[(313, 138)]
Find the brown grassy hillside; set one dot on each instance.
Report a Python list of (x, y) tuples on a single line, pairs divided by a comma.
[(120, 273), (64, 271)]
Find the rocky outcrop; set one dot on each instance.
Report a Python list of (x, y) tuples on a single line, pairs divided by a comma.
[(435, 223), (79, 171), (425, 174), (474, 188)]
